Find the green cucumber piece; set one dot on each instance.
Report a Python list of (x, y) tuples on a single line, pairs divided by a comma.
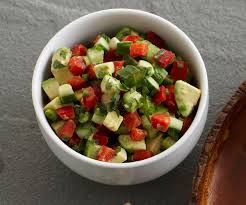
[(113, 121), (104, 69), (91, 149), (130, 145), (123, 48), (152, 84), (84, 117), (120, 157), (98, 116), (84, 131), (113, 43), (95, 55), (168, 142), (57, 125), (176, 124), (101, 41), (50, 114), (66, 94), (154, 144), (132, 100), (50, 87), (128, 60)]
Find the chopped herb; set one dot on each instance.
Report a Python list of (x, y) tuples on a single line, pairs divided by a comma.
[(57, 64), (63, 54)]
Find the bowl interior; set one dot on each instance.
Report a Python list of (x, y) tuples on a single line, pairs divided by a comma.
[(86, 28)]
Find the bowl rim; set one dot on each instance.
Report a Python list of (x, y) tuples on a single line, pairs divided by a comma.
[(51, 134)]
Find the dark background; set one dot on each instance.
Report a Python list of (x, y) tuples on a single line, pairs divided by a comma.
[(29, 172)]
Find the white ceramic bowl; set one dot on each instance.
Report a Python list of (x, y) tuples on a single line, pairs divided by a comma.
[(83, 30)]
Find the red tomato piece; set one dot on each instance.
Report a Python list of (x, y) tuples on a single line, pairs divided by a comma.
[(186, 124), (105, 154), (138, 49), (67, 130), (132, 38), (90, 71), (97, 90), (170, 99), (66, 113), (77, 65), (75, 140), (137, 134), (164, 57), (112, 56), (179, 70), (155, 39), (160, 121), (101, 138), (141, 155), (160, 96), (131, 120), (79, 50), (77, 82), (89, 100), (117, 66)]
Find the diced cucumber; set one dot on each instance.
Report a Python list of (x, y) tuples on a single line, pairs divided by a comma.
[(152, 50), (84, 117), (95, 55), (148, 66), (57, 125), (168, 81), (50, 114), (66, 93), (113, 43), (154, 144), (54, 104), (120, 156), (98, 116), (110, 84), (130, 145), (123, 130), (85, 131), (147, 125), (160, 74), (167, 142), (161, 109), (130, 60), (50, 87), (125, 31), (101, 41), (148, 107), (113, 121), (104, 69), (186, 97), (152, 83), (176, 124), (78, 94), (132, 101), (62, 75), (86, 60), (123, 48), (173, 133), (91, 149)]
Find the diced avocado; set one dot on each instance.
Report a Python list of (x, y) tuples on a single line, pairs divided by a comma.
[(57, 125), (95, 55), (91, 149), (152, 84), (113, 43), (86, 60), (50, 87), (50, 114), (167, 142), (66, 93), (147, 125), (176, 124), (113, 121), (123, 48), (78, 94), (54, 104), (98, 116), (132, 101), (101, 41), (125, 31), (152, 50), (123, 130), (104, 69), (85, 131), (154, 144), (186, 97), (110, 84), (131, 145), (120, 156), (146, 64)]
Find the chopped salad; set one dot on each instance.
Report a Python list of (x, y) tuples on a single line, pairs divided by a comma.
[(121, 99)]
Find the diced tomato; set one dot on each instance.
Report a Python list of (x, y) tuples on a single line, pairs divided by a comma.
[(77, 82), (89, 99), (160, 96), (131, 120), (160, 121), (179, 70), (138, 49), (186, 124), (105, 154), (141, 155), (77, 65), (164, 57), (155, 39), (90, 71), (66, 112), (170, 99), (137, 134), (97, 89), (101, 138), (67, 130), (75, 140), (79, 50), (132, 38), (112, 56), (117, 66)]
